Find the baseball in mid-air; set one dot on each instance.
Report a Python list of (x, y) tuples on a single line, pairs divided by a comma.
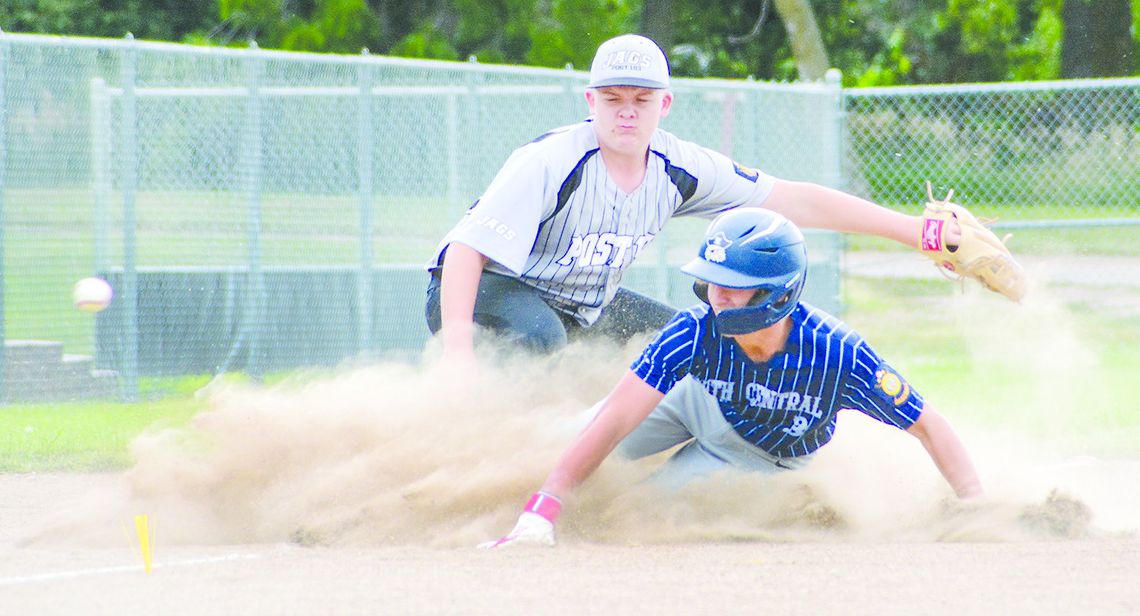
[(92, 294)]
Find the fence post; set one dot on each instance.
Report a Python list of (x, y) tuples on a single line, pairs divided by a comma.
[(453, 174), (835, 177), (101, 170), (467, 131), (129, 158), (3, 231), (833, 78), (253, 163), (364, 294)]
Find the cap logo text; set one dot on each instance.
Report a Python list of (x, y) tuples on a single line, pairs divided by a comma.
[(628, 60)]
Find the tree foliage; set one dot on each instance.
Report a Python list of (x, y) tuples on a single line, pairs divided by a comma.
[(341, 26), (168, 20), (874, 42)]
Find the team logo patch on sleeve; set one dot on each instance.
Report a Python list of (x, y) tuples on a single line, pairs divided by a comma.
[(749, 174), (891, 386)]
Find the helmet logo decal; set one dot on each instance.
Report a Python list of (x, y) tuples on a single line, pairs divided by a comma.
[(715, 248)]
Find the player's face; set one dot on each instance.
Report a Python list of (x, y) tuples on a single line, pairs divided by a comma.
[(721, 298), (626, 117)]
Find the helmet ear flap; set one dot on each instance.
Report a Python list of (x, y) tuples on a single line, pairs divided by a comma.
[(701, 290)]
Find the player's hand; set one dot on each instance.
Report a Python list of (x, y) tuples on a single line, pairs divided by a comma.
[(953, 234), (531, 529), (535, 525)]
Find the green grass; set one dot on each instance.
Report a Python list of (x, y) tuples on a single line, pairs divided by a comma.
[(1066, 376), (82, 436), (95, 436)]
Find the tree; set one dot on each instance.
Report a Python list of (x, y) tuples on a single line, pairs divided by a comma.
[(344, 26), (163, 20), (1097, 38), (998, 40), (657, 19), (731, 41), (874, 42), (550, 33), (803, 32), (570, 31)]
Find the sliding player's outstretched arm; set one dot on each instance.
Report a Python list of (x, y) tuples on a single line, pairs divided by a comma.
[(947, 451), (630, 402)]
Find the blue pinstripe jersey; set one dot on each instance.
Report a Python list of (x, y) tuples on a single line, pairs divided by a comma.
[(786, 406), (554, 219)]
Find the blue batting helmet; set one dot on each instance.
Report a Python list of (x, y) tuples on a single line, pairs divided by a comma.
[(752, 248)]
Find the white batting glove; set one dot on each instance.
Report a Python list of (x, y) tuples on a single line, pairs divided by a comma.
[(535, 525)]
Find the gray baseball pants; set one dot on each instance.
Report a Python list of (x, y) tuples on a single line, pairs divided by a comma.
[(689, 413), (517, 312)]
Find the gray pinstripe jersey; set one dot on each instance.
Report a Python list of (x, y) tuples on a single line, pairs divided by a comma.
[(553, 218), (786, 406)]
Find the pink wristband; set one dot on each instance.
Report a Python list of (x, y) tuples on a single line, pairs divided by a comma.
[(545, 505), (932, 234)]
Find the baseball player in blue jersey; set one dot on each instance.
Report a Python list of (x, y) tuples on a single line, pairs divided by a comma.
[(541, 253), (753, 379)]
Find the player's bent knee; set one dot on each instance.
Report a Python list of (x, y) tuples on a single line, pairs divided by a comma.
[(542, 341)]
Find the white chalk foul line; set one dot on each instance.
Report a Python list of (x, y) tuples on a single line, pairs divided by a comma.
[(59, 575)]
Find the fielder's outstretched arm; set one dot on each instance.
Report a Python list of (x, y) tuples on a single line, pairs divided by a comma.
[(459, 285), (945, 232), (947, 451), (815, 206)]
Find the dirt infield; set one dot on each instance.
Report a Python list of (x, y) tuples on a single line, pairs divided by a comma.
[(829, 576), (364, 494)]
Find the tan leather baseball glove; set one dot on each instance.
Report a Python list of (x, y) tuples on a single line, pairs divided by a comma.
[(979, 254)]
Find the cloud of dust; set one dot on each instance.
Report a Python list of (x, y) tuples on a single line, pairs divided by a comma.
[(1036, 411), (415, 454), (1038, 344)]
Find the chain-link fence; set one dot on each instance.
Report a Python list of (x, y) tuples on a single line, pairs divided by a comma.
[(258, 211), (1040, 154)]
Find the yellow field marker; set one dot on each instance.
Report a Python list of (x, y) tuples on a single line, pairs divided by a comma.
[(142, 526)]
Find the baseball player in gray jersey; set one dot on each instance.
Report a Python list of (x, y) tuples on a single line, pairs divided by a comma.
[(752, 379), (541, 253)]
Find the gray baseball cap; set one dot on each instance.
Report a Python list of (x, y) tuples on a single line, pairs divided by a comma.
[(629, 60)]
